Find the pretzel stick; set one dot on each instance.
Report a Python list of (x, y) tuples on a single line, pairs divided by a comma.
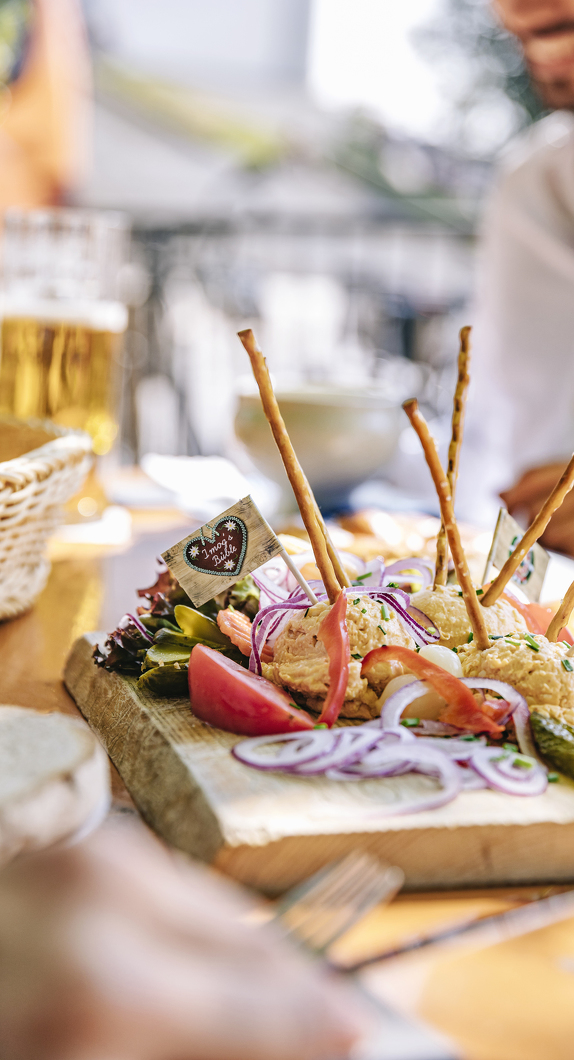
[(475, 615), (301, 488), (536, 528), (458, 409), (562, 615)]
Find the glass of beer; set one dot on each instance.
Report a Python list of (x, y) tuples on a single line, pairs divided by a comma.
[(61, 320)]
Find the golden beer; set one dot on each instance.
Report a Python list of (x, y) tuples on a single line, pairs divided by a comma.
[(64, 369)]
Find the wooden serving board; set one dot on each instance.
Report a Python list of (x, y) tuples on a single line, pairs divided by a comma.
[(270, 831)]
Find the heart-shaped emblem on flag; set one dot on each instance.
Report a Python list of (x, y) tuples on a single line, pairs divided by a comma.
[(219, 548)]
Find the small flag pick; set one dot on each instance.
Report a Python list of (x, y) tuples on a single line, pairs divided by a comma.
[(530, 574), (225, 550)]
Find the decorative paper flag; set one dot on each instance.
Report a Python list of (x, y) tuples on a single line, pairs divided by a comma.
[(223, 551), (530, 574)]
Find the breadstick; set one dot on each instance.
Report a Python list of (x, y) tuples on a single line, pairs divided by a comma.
[(562, 615), (301, 489), (475, 615), (458, 409), (536, 528)]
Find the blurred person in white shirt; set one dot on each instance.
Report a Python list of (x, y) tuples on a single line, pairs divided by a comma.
[(521, 411)]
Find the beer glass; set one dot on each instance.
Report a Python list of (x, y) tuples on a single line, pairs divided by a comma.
[(61, 320)]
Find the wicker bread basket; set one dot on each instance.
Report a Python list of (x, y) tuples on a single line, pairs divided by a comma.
[(41, 467)]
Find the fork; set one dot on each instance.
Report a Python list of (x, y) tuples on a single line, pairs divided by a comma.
[(317, 912), (321, 909)]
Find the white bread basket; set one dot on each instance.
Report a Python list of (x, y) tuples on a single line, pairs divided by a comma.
[(44, 465)]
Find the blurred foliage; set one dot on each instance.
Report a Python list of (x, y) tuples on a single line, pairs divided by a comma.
[(15, 22), (482, 67), (193, 114)]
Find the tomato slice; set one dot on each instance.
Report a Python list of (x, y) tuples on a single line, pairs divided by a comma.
[(334, 635), (226, 695), (538, 617), (461, 708)]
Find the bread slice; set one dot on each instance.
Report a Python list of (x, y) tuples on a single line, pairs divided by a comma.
[(54, 780)]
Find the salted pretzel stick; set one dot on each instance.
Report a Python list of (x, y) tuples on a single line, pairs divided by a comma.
[(333, 555), (475, 615), (536, 528), (301, 489), (458, 409), (562, 615)]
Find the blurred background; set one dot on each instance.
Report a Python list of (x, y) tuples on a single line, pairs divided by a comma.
[(314, 169)]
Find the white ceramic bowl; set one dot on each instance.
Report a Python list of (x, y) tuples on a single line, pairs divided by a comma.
[(341, 436)]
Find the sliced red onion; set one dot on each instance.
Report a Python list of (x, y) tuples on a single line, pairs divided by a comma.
[(409, 564), (471, 780), (518, 710), (375, 761), (459, 750), (138, 623), (395, 704), (532, 781), (292, 748), (350, 746), (426, 760)]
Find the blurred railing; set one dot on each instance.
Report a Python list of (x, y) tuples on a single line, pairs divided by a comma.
[(338, 300)]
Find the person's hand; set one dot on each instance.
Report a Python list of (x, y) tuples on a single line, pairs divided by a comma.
[(118, 950), (526, 497)]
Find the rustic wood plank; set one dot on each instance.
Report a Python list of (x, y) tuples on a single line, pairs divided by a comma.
[(269, 830)]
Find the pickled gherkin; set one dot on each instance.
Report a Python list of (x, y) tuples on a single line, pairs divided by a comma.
[(555, 741), (167, 680)]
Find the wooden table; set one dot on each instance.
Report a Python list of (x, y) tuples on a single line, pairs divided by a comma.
[(513, 1001)]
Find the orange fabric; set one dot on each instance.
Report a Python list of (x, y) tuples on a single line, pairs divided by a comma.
[(44, 116)]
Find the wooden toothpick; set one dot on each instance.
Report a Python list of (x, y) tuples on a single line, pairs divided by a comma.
[(458, 410), (474, 611)]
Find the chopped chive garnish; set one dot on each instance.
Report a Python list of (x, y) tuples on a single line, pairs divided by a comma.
[(479, 592), (355, 655), (470, 637), (361, 577), (509, 640), (320, 725), (455, 650), (497, 636), (363, 610), (567, 665), (410, 723), (357, 601), (385, 613), (510, 747), (306, 613), (393, 585), (417, 648), (459, 593), (382, 630), (468, 738), (553, 778), (531, 642), (521, 763)]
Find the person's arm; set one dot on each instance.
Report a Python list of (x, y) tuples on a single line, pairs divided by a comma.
[(525, 498), (117, 948)]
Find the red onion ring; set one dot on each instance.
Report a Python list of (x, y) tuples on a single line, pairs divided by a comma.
[(533, 781), (519, 710), (408, 564), (293, 748)]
